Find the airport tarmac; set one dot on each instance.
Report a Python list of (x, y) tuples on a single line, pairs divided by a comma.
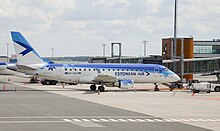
[(35, 107)]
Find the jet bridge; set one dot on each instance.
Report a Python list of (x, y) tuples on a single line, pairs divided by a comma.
[(195, 65), (205, 66)]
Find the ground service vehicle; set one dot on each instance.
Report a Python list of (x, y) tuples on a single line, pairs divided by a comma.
[(205, 87)]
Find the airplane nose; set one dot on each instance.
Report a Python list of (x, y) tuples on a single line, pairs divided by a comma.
[(176, 77)]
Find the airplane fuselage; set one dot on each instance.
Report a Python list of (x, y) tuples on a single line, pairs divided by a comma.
[(87, 73)]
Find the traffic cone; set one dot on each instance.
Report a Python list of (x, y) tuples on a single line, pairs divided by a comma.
[(15, 89), (193, 93)]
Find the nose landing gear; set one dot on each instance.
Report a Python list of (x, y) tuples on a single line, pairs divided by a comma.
[(156, 87)]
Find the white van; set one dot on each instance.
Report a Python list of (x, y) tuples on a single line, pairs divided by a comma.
[(201, 87), (205, 87)]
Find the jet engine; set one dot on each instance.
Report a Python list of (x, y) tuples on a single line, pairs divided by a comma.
[(126, 84)]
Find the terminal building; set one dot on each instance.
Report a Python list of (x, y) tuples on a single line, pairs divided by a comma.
[(205, 49), (199, 57), (4, 59)]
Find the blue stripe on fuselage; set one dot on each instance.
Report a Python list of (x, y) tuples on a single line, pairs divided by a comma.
[(112, 66)]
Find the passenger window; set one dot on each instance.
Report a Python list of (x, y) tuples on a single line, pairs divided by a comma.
[(118, 69), (113, 69), (122, 70), (108, 69), (79, 69), (103, 69), (93, 69), (75, 69), (84, 69), (89, 69), (65, 69)]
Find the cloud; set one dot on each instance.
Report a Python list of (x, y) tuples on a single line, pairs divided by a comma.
[(110, 3), (79, 27)]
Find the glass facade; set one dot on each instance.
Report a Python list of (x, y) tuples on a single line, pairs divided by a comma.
[(205, 49)]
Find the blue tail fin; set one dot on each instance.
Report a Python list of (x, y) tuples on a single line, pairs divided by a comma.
[(26, 55)]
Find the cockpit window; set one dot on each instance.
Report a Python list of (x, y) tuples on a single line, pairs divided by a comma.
[(166, 69)]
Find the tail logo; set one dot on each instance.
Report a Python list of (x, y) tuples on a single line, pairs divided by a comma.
[(27, 48)]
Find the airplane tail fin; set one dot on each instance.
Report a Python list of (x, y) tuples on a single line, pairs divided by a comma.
[(26, 55)]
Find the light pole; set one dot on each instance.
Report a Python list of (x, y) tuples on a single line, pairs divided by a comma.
[(52, 52), (7, 52), (103, 49), (145, 46), (175, 37), (175, 28)]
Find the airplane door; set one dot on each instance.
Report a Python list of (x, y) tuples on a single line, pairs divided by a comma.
[(156, 71)]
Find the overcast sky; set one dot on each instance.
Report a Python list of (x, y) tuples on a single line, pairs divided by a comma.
[(80, 27)]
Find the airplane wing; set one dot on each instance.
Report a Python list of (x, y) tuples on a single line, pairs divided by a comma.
[(105, 78)]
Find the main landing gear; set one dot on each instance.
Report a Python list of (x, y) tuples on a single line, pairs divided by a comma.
[(100, 88), (93, 87), (156, 87)]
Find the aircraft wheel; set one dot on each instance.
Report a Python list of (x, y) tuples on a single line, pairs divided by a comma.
[(196, 91), (101, 88), (93, 87), (217, 89), (47, 82)]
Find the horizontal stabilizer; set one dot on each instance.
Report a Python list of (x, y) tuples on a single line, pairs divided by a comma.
[(23, 67)]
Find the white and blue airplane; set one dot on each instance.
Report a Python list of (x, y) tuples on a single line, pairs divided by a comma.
[(113, 75)]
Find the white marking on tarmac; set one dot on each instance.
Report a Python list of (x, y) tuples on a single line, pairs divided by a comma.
[(131, 120), (122, 120), (95, 120), (158, 120), (83, 123), (104, 120), (76, 120), (149, 120), (167, 120), (17, 122), (184, 120), (67, 120), (86, 120), (113, 120), (140, 120)]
